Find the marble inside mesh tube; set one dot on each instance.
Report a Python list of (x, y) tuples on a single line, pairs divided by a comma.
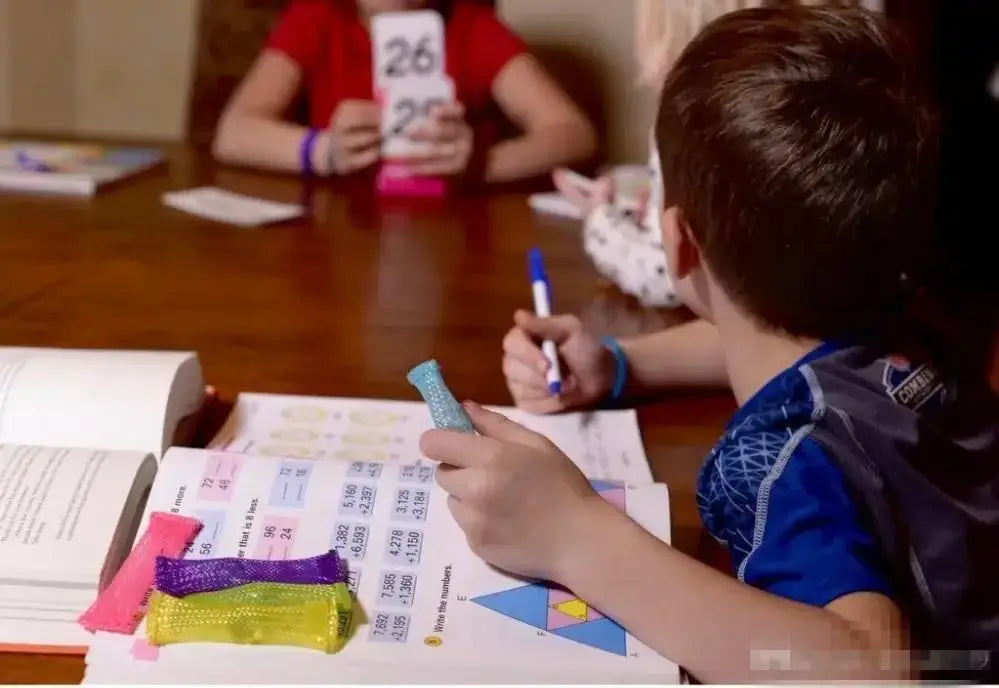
[(310, 616), (180, 577), (445, 410)]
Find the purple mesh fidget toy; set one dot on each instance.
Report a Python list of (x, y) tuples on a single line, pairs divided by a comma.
[(181, 577)]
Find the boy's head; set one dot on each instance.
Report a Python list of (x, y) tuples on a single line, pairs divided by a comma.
[(798, 155)]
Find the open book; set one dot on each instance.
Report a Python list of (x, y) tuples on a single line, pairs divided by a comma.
[(80, 434), (347, 475)]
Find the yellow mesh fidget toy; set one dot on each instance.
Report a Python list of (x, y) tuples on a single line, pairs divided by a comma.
[(309, 616)]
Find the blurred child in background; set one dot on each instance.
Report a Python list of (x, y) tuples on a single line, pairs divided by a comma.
[(621, 234), (323, 48)]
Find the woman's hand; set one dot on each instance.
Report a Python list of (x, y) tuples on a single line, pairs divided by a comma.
[(449, 143)]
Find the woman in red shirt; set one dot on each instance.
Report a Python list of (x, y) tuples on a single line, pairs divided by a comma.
[(324, 47)]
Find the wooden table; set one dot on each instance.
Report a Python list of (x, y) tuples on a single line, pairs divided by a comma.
[(341, 303)]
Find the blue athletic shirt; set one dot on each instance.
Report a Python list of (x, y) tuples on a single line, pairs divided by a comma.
[(781, 506)]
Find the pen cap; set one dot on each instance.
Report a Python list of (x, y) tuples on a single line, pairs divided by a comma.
[(536, 266)]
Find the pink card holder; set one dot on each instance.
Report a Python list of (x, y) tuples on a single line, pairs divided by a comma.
[(394, 180)]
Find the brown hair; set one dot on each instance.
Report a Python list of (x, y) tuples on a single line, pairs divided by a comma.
[(803, 152)]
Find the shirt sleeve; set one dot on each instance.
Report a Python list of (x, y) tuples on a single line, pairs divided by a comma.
[(814, 546), (297, 32), (492, 46)]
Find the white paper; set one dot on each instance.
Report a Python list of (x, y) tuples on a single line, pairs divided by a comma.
[(232, 208), (555, 204), (112, 400), (605, 445), (430, 609)]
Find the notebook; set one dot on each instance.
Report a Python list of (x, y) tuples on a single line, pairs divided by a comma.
[(80, 434), (305, 475), (69, 169)]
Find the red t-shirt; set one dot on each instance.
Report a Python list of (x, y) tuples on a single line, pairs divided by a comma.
[(331, 45)]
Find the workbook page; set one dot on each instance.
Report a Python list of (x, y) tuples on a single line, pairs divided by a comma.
[(427, 608), (606, 445), (115, 400)]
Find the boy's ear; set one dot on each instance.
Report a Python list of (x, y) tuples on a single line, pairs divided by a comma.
[(682, 254)]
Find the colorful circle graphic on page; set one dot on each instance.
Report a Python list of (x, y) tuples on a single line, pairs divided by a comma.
[(370, 439), (288, 450), (304, 414), (373, 418), (294, 435)]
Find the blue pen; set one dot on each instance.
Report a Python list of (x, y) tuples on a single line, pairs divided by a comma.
[(541, 290)]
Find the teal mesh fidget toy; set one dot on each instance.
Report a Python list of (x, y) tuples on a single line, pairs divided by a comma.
[(445, 410)]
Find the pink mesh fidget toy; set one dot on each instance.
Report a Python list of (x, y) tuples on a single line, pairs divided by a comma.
[(118, 607)]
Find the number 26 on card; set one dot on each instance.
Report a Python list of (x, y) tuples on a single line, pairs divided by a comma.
[(407, 45)]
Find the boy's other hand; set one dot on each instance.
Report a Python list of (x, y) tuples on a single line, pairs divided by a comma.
[(522, 504), (354, 137), (586, 200), (587, 366)]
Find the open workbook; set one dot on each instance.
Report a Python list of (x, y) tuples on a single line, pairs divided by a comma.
[(292, 477), (80, 435)]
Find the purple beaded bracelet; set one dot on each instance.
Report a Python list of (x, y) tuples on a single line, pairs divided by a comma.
[(305, 152)]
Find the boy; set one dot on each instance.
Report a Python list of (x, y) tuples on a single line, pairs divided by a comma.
[(797, 158)]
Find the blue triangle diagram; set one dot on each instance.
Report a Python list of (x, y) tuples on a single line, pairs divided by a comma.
[(528, 604), (602, 634), (605, 485)]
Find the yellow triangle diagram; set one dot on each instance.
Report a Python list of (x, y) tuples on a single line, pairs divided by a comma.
[(577, 609)]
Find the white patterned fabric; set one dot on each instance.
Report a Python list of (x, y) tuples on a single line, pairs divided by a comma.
[(625, 252), (628, 250)]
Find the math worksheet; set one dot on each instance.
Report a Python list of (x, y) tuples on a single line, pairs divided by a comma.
[(427, 609), (606, 445)]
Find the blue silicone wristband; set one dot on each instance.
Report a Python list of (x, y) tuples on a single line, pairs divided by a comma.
[(305, 152), (620, 367)]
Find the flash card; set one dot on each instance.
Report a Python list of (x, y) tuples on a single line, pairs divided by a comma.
[(407, 45), (405, 105)]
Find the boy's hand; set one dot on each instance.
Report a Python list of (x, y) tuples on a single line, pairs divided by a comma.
[(587, 200), (354, 137), (522, 504), (588, 371)]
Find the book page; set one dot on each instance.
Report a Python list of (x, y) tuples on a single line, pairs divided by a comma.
[(605, 445), (59, 511), (427, 608), (114, 400)]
